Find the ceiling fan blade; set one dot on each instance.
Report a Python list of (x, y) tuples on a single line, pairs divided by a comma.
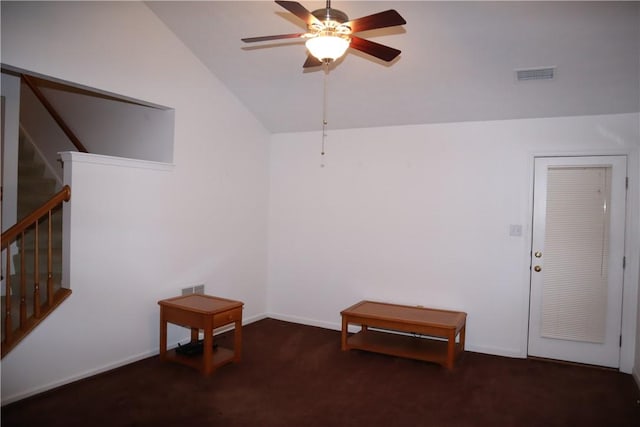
[(388, 18), (311, 61), (276, 37), (378, 50), (300, 11)]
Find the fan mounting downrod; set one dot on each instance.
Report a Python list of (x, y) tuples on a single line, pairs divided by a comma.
[(328, 14)]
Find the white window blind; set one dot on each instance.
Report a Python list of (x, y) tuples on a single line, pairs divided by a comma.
[(576, 248)]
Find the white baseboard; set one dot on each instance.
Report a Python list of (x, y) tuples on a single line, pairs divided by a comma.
[(496, 351), (89, 373), (514, 353), (109, 366), (305, 321)]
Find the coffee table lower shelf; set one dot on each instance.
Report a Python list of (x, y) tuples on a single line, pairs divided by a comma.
[(425, 349)]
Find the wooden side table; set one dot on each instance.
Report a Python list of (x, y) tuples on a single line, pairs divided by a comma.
[(197, 311)]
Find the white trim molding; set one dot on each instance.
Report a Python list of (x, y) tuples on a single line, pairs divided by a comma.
[(99, 159)]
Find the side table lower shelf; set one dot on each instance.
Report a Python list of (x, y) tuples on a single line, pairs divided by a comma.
[(221, 356)]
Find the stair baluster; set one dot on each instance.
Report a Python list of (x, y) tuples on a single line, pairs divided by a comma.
[(8, 323), (50, 264), (36, 272), (23, 284)]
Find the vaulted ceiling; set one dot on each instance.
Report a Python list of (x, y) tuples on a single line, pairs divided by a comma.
[(458, 61)]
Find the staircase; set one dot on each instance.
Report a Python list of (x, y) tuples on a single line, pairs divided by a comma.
[(34, 190)]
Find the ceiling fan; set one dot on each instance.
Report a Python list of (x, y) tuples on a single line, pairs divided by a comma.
[(330, 33)]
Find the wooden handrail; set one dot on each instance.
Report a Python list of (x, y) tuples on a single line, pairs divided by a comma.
[(67, 131), (62, 196), (29, 295)]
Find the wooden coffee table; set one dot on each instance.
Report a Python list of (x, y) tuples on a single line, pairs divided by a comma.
[(197, 311), (425, 333)]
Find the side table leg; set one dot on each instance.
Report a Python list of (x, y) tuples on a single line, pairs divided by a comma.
[(345, 326), (462, 333), (207, 350), (163, 336)]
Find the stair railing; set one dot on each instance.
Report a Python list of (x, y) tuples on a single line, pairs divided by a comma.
[(12, 334)]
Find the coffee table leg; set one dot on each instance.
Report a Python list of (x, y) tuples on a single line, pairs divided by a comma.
[(451, 349), (237, 341)]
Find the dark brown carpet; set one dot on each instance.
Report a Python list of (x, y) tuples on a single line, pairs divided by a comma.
[(295, 375)]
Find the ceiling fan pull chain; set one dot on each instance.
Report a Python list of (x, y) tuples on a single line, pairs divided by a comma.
[(325, 66)]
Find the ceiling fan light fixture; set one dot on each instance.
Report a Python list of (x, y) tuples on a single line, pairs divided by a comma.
[(327, 47), (330, 33)]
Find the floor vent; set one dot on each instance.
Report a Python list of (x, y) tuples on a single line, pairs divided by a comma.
[(546, 73)]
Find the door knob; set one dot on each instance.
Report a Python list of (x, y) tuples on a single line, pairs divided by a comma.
[(537, 268)]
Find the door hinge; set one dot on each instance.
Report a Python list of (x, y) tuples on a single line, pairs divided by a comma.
[(626, 182), (620, 340), (624, 262)]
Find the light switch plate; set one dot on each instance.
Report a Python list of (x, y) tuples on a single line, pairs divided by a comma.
[(515, 230)]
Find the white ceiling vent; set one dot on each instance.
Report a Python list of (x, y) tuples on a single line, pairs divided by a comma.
[(546, 73)]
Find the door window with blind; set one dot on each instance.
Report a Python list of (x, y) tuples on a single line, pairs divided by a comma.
[(574, 295)]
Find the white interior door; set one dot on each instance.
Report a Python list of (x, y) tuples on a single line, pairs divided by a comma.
[(577, 259)]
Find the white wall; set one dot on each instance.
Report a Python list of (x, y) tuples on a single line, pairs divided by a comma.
[(140, 231), (421, 215), (9, 155), (415, 214), (636, 365)]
